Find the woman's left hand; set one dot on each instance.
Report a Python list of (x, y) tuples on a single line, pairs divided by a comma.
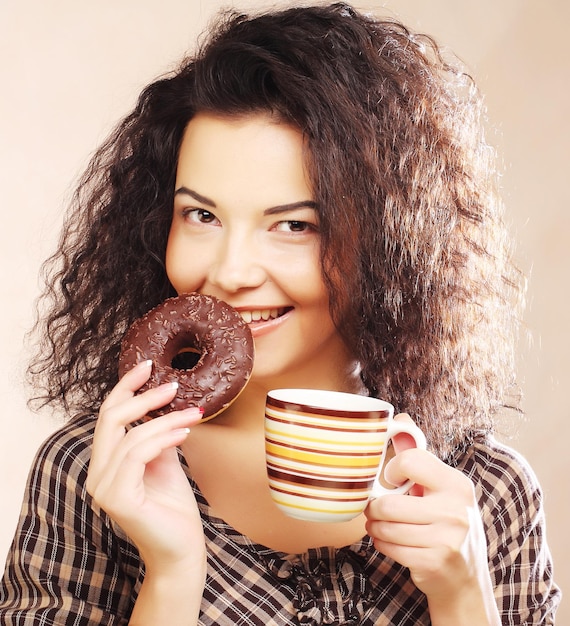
[(436, 531)]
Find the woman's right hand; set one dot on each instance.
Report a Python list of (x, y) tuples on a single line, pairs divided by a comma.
[(135, 476)]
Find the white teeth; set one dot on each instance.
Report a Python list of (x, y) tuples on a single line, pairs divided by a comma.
[(260, 314)]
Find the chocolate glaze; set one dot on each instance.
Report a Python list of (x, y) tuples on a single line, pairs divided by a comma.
[(199, 323)]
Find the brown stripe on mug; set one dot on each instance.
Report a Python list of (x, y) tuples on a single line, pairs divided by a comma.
[(355, 426), (322, 498), (322, 483), (294, 407)]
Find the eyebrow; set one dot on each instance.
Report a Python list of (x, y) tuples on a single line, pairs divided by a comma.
[(274, 210), (184, 191)]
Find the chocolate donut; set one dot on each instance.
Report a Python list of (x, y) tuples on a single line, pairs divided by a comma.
[(204, 327)]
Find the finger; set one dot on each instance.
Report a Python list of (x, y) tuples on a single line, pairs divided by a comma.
[(106, 469), (131, 382), (111, 423), (422, 468), (165, 471), (108, 455), (411, 558), (121, 491), (134, 407), (152, 428), (399, 508), (402, 534), (163, 424), (403, 441)]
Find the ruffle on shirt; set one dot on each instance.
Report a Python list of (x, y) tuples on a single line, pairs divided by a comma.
[(330, 585)]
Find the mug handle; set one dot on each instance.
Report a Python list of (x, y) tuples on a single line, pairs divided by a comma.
[(395, 428)]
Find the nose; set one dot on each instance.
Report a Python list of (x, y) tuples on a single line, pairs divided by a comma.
[(237, 264)]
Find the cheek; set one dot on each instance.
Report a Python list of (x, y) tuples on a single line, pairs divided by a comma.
[(184, 271), (305, 285), (311, 284), (302, 271)]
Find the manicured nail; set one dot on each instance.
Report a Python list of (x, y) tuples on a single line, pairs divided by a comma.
[(191, 411), (170, 386), (181, 431)]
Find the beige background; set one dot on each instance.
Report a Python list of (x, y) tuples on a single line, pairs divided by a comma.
[(70, 69)]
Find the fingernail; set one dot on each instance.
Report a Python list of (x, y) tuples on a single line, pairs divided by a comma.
[(181, 431), (168, 387), (147, 363)]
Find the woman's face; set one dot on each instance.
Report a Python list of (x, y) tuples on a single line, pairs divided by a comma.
[(245, 229)]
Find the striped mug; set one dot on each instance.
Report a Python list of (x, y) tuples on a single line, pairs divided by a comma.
[(325, 451)]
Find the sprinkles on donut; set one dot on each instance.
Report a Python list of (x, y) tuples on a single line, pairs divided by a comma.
[(208, 330)]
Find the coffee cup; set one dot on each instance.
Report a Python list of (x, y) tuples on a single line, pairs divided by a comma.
[(325, 451)]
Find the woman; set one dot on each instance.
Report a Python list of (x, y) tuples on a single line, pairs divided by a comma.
[(326, 174)]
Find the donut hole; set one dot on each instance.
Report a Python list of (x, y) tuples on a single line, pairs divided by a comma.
[(186, 359)]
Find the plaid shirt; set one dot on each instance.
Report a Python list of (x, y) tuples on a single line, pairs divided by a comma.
[(70, 564)]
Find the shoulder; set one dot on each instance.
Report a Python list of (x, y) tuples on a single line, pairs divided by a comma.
[(59, 469), (510, 501), (488, 459), (57, 496), (66, 550), (69, 446), (507, 488)]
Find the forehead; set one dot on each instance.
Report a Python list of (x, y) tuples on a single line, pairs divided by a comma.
[(253, 152), (261, 132)]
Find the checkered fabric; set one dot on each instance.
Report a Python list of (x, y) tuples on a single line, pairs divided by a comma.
[(71, 565)]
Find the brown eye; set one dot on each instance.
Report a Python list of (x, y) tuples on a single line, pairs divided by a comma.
[(206, 216), (202, 216), (298, 226), (295, 226)]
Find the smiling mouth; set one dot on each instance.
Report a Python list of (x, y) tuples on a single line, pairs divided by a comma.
[(263, 315)]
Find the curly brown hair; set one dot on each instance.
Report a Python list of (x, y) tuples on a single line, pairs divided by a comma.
[(414, 250)]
